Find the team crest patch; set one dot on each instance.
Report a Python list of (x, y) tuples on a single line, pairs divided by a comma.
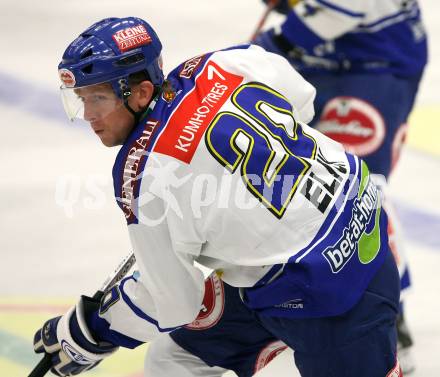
[(213, 304), (67, 78), (168, 95), (131, 37), (354, 123)]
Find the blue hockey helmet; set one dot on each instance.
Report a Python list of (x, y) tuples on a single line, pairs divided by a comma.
[(108, 52)]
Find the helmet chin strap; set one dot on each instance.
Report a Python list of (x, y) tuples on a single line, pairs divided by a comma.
[(126, 93), (137, 114)]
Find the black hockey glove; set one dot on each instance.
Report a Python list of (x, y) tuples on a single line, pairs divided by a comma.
[(282, 6), (70, 343)]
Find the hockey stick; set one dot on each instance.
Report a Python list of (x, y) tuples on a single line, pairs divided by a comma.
[(45, 363), (269, 8)]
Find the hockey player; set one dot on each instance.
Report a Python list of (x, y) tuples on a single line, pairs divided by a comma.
[(365, 58), (218, 166)]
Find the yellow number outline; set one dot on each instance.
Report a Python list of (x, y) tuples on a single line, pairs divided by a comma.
[(244, 156), (277, 109)]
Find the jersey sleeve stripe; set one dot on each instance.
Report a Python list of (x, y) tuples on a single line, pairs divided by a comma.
[(339, 9), (138, 311), (101, 328), (386, 21)]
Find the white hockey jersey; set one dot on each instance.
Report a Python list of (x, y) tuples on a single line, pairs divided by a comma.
[(226, 173)]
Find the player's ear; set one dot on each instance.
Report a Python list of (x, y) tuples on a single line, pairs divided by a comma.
[(144, 94)]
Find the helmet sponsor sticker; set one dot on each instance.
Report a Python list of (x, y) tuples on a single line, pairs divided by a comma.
[(67, 77), (268, 353), (131, 37), (354, 123), (213, 304)]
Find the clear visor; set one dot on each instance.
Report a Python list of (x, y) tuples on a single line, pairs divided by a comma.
[(91, 103)]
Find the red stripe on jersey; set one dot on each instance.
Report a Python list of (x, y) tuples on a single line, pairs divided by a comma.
[(189, 121)]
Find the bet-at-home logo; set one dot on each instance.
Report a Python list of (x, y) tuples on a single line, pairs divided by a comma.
[(355, 237)]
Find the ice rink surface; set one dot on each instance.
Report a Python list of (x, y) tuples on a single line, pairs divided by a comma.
[(61, 232)]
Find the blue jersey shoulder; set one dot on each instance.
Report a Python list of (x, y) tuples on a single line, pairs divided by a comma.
[(393, 43)]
